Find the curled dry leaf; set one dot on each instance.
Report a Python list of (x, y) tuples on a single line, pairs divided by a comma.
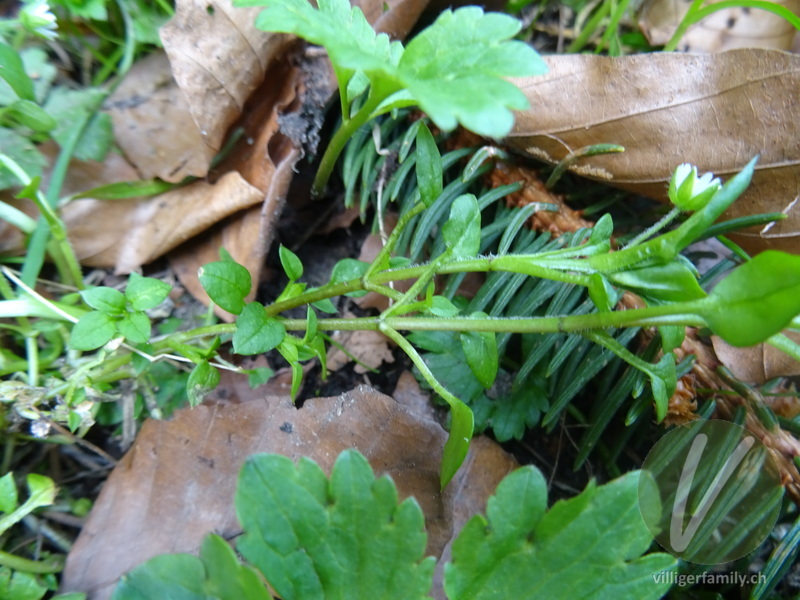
[(738, 27), (265, 157), (177, 483), (218, 59), (756, 364), (129, 233), (713, 110)]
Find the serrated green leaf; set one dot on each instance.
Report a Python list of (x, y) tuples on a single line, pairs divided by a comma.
[(93, 330), (756, 301), (429, 166), (145, 293), (256, 332), (13, 72), (227, 283), (135, 326), (462, 231), (202, 381), (226, 577), (480, 350), (512, 415), (344, 32), (292, 265), (178, 576), (104, 299), (343, 538), (588, 547), (454, 70)]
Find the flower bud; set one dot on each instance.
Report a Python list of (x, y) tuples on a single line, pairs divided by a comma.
[(36, 17), (689, 192)]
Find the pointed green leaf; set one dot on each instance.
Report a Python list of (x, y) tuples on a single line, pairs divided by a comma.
[(135, 326), (202, 381), (93, 330), (345, 538), (462, 231), (227, 283), (429, 166), (590, 546), (291, 263), (256, 332), (480, 349), (8, 493), (30, 115), (756, 301), (104, 299), (672, 282), (41, 492), (145, 293), (122, 190), (13, 71)]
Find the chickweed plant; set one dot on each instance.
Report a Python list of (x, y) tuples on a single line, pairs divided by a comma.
[(109, 333), (64, 352)]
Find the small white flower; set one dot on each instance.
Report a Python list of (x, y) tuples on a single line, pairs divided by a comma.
[(36, 17), (689, 192)]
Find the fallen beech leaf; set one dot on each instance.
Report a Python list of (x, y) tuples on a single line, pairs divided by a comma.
[(130, 233), (756, 364), (153, 126), (713, 110), (738, 27), (177, 482), (218, 59)]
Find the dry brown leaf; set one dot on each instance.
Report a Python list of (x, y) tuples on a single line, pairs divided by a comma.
[(265, 158), (218, 59), (713, 110), (130, 233), (738, 27), (177, 483), (153, 126), (370, 348), (756, 364)]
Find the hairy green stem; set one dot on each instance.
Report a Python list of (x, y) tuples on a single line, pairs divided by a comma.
[(340, 139), (684, 313)]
